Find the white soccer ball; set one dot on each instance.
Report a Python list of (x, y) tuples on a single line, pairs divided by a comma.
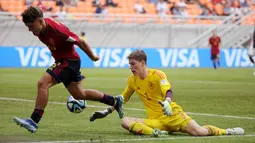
[(75, 106)]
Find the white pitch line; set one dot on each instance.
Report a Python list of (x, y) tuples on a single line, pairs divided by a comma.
[(142, 139), (125, 79), (135, 109)]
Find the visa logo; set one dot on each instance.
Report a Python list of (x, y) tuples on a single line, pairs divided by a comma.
[(112, 57), (236, 58), (179, 57), (35, 57)]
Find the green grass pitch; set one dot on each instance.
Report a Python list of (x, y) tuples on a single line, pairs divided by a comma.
[(208, 96)]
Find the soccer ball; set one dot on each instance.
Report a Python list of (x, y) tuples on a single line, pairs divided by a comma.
[(75, 106)]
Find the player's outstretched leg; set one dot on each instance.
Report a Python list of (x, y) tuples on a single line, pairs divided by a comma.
[(76, 90), (208, 130), (28, 124), (138, 127), (45, 82)]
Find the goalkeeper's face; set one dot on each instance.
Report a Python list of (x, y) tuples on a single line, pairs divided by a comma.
[(137, 67)]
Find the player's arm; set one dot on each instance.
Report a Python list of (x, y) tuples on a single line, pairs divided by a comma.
[(127, 93), (69, 36), (86, 48), (166, 91), (209, 42)]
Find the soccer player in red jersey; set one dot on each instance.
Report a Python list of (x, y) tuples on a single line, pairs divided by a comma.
[(215, 42), (66, 69)]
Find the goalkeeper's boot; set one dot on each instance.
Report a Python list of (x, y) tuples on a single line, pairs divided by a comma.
[(119, 105), (235, 131), (159, 133), (28, 124)]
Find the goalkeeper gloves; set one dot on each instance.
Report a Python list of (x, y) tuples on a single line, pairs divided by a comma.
[(100, 114), (166, 107)]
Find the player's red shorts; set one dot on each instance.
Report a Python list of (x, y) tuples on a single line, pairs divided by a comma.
[(66, 71)]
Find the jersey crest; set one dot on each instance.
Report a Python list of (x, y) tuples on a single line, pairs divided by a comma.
[(150, 85)]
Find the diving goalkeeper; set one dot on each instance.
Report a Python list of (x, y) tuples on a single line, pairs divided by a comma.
[(164, 114)]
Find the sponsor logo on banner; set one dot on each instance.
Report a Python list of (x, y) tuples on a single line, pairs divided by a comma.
[(112, 57), (179, 57), (117, 57), (236, 58), (35, 57)]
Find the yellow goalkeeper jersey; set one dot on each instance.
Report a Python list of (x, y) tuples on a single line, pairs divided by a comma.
[(150, 90)]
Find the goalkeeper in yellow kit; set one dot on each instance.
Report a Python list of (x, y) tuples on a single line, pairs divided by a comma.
[(164, 114)]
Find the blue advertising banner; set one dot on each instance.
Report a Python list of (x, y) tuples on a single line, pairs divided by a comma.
[(30, 57)]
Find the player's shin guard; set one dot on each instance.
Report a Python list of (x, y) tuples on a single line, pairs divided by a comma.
[(108, 99), (214, 131), (37, 115), (140, 129)]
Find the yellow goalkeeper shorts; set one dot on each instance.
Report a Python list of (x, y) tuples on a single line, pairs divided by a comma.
[(175, 123)]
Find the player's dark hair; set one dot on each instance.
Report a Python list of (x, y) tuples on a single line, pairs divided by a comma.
[(138, 55), (31, 14)]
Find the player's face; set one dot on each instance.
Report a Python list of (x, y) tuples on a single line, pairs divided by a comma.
[(136, 66), (214, 34), (35, 26)]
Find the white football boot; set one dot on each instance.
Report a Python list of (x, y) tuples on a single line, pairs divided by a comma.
[(235, 131)]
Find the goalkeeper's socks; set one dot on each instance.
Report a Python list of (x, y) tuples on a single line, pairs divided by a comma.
[(37, 115), (108, 99), (140, 129), (214, 131)]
